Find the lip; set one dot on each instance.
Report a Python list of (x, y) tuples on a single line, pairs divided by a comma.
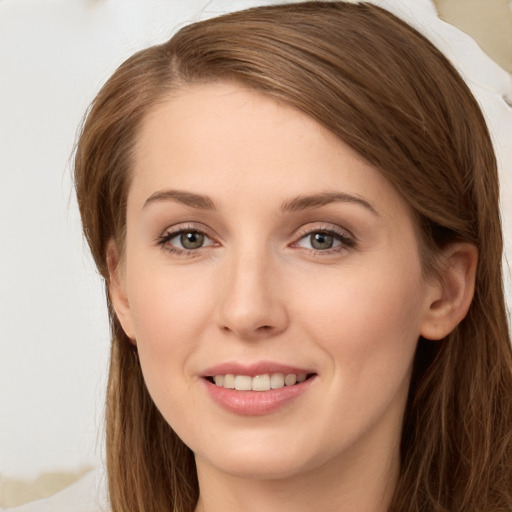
[(255, 403), (253, 369)]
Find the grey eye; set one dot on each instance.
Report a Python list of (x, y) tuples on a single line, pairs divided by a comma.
[(321, 241), (183, 240), (191, 239)]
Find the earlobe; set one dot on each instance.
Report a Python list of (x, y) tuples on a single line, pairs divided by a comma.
[(452, 292), (117, 290)]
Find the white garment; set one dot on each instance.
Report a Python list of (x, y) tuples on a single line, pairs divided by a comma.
[(89, 494)]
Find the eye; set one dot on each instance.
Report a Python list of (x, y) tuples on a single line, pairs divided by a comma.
[(190, 239), (184, 240), (325, 241), (320, 241)]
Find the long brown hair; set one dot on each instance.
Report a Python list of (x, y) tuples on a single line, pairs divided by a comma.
[(392, 96)]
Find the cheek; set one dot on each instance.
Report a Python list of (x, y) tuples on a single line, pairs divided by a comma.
[(169, 310), (367, 325), (168, 306), (367, 319)]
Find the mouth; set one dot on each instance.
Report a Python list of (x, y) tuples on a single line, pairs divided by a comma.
[(263, 382)]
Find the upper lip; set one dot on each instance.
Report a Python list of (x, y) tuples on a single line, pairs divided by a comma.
[(253, 369)]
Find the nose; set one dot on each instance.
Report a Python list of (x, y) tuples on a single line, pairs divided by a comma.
[(252, 301)]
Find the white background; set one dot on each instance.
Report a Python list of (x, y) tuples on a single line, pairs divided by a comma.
[(54, 56)]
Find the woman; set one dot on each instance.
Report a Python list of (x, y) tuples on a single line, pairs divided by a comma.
[(300, 238)]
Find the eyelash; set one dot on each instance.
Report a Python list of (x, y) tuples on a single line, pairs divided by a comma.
[(347, 241), (164, 239)]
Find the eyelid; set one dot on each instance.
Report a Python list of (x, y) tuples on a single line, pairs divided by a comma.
[(173, 231), (313, 227), (348, 240)]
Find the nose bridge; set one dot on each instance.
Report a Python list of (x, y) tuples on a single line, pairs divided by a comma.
[(250, 305)]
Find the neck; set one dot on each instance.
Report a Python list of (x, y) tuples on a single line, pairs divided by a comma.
[(361, 481)]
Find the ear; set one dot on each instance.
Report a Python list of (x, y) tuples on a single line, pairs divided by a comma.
[(452, 292), (117, 290)]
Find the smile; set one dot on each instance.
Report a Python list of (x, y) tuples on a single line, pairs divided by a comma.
[(255, 396), (264, 382)]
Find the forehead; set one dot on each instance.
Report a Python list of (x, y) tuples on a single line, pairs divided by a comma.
[(230, 142)]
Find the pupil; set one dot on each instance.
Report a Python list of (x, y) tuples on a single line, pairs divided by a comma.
[(191, 240), (321, 241)]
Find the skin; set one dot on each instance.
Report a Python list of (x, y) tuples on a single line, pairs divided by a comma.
[(257, 290)]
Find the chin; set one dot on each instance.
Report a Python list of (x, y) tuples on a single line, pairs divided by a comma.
[(271, 460), (258, 468)]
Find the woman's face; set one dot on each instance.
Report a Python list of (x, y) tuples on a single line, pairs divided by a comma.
[(258, 244)]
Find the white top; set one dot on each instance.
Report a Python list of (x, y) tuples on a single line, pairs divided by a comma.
[(88, 494)]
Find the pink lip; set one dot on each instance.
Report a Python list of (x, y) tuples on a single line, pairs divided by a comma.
[(254, 403), (252, 369)]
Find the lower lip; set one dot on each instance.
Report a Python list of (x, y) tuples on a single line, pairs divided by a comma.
[(256, 403)]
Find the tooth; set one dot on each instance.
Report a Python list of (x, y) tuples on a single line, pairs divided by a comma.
[(277, 380), (290, 379), (261, 383), (229, 381), (243, 383)]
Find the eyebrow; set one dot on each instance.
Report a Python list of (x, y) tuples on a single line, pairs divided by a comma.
[(324, 198), (303, 202), (188, 198)]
